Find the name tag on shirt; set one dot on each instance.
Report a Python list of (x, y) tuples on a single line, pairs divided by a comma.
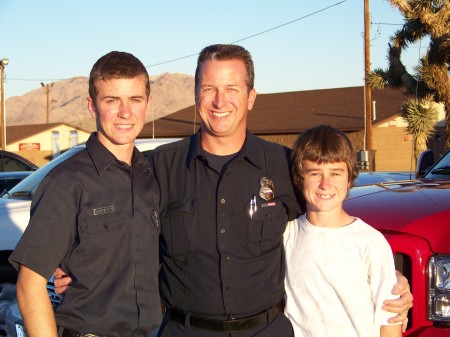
[(104, 210)]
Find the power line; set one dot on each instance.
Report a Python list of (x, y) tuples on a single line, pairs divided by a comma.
[(195, 54), (386, 24), (251, 36), (288, 23)]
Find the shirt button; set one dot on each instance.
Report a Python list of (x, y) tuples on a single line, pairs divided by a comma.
[(222, 201), (222, 231), (227, 258), (106, 226), (228, 288)]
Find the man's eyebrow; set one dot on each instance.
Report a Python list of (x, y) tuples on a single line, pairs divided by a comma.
[(118, 97), (338, 169), (312, 169), (211, 85), (320, 169)]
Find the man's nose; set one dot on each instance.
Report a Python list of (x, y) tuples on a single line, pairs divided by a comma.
[(325, 181), (124, 110), (219, 99)]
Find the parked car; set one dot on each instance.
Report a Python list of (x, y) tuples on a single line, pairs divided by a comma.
[(10, 162), (367, 178), (14, 217), (10, 179), (414, 216)]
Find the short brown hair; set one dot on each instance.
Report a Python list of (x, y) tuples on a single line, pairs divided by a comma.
[(322, 144), (115, 65), (225, 52)]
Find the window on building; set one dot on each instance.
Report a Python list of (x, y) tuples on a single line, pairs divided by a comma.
[(55, 144), (73, 138)]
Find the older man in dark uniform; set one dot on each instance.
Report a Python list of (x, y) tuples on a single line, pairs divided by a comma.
[(226, 196)]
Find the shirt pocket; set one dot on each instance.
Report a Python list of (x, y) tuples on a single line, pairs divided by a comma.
[(104, 240), (176, 223), (264, 228)]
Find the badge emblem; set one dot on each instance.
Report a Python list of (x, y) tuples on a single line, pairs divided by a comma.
[(267, 189)]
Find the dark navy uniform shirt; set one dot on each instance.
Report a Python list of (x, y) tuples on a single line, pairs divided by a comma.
[(217, 260), (96, 217)]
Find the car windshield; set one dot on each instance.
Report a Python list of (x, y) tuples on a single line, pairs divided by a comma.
[(441, 170), (27, 187)]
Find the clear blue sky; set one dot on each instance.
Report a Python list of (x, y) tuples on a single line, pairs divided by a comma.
[(51, 40)]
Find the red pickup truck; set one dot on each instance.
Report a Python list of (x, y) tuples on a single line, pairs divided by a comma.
[(414, 216)]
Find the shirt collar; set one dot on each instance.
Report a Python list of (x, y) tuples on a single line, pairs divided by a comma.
[(248, 151), (251, 150), (100, 155)]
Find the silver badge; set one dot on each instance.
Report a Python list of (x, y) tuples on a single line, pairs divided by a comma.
[(267, 189)]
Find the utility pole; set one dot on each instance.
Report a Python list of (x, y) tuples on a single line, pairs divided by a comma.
[(367, 89), (3, 63), (47, 92)]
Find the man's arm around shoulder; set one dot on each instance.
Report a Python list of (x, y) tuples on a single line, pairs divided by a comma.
[(34, 304)]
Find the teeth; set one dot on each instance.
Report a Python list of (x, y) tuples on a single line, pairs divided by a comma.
[(124, 126), (221, 114), (325, 196)]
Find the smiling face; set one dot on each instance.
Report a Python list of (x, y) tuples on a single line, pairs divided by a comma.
[(325, 186), (119, 109), (223, 100)]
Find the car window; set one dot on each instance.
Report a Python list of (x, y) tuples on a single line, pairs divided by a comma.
[(7, 184), (441, 170), (12, 164)]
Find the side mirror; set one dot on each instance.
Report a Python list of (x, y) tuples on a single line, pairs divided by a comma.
[(425, 161)]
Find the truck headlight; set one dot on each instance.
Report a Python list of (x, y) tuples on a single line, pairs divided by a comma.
[(439, 292)]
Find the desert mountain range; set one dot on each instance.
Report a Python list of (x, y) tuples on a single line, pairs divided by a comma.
[(67, 101)]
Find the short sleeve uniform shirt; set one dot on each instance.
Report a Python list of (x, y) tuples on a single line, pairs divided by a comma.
[(96, 217), (218, 259)]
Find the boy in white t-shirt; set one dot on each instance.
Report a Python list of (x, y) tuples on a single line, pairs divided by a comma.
[(339, 269)]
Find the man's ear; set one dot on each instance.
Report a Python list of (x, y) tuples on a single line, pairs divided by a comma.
[(149, 106), (91, 107), (251, 99)]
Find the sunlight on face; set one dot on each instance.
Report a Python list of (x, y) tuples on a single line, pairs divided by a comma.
[(223, 99), (119, 110), (325, 185)]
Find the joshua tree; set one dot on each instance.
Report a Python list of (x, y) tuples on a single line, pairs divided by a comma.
[(422, 18), (420, 117)]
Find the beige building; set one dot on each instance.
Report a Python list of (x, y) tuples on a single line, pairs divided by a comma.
[(40, 143), (394, 146)]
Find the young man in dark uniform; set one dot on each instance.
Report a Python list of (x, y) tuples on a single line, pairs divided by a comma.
[(226, 196), (95, 215)]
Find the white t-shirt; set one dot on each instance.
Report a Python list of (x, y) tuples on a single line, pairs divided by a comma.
[(337, 279)]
